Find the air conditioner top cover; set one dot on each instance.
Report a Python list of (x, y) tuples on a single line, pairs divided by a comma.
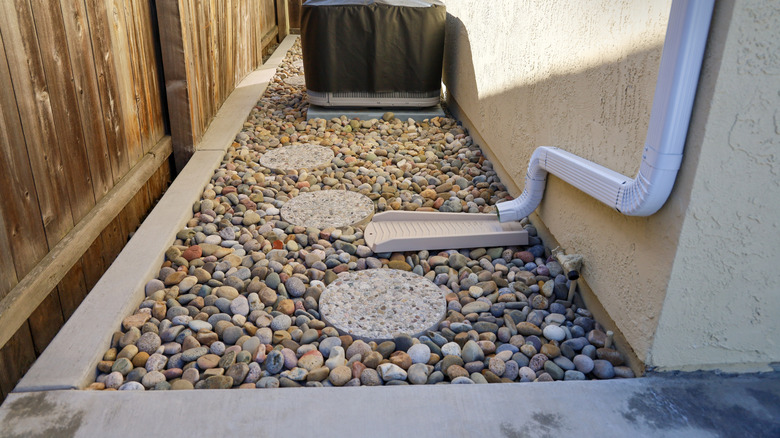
[(374, 46)]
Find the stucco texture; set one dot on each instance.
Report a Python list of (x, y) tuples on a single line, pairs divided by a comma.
[(723, 296), (689, 287), (579, 76)]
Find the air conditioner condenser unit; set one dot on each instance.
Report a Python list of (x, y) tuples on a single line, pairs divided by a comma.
[(373, 53)]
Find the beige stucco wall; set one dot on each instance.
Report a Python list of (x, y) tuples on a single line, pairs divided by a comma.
[(581, 76), (723, 296)]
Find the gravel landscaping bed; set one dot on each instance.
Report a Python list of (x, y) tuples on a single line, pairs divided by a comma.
[(236, 303)]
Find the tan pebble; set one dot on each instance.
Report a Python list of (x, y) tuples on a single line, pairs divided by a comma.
[(213, 372), (158, 310), (174, 278), (139, 360), (286, 306), (111, 354), (340, 375), (104, 366), (402, 359), (455, 371), (181, 384), (550, 351)]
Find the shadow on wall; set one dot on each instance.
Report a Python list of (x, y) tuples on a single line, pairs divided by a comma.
[(601, 113)]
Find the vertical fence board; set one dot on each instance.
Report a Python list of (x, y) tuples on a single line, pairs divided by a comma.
[(85, 80), (121, 50), (92, 262), (113, 240), (146, 37), (23, 226), (46, 321), (50, 30), (16, 357), (32, 100), (294, 9), (136, 87), (282, 21), (107, 84), (73, 289), (8, 278)]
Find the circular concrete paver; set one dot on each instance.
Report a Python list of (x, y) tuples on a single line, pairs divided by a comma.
[(376, 304), (328, 208), (301, 156)]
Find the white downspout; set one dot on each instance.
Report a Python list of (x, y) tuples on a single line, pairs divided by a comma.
[(678, 77)]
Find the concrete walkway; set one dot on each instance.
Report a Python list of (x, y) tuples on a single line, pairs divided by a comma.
[(703, 405)]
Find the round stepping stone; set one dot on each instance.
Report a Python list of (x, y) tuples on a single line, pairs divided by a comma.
[(301, 156), (296, 81), (328, 208), (376, 304)]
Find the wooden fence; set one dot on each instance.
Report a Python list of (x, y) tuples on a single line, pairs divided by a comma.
[(86, 136), (294, 12), (210, 46)]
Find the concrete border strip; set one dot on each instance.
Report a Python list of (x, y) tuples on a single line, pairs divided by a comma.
[(682, 406), (70, 360)]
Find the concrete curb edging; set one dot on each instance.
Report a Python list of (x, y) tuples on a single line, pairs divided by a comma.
[(70, 360), (682, 406)]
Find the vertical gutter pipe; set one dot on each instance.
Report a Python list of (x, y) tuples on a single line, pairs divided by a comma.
[(678, 77)]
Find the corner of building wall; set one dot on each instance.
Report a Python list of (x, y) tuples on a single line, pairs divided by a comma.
[(593, 304)]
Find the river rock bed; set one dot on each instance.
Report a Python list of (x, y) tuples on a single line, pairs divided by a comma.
[(236, 303)]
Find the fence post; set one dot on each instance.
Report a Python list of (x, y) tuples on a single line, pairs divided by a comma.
[(176, 90), (282, 19)]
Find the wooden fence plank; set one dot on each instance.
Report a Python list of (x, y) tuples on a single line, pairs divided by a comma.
[(88, 96), (92, 262), (50, 30), (97, 17), (294, 10), (214, 51), (8, 278), (127, 99), (73, 289), (205, 90), (23, 227), (32, 99), (136, 72), (45, 321), (198, 100), (144, 21), (282, 19), (16, 357)]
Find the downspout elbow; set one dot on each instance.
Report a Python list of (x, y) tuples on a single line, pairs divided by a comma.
[(533, 191), (672, 105)]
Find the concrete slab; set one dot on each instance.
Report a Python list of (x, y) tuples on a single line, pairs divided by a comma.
[(706, 406), (70, 359), (295, 157), (417, 114), (328, 208), (377, 304)]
